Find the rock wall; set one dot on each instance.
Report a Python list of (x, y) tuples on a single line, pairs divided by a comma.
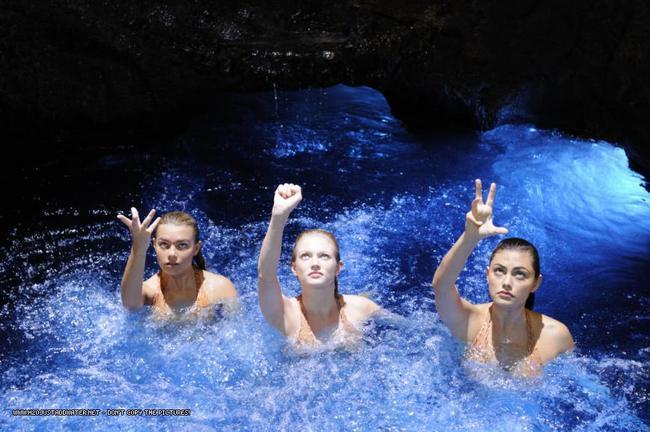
[(75, 71)]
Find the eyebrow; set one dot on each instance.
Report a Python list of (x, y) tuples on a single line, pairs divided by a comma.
[(514, 268)]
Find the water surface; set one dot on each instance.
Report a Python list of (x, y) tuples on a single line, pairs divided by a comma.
[(396, 203)]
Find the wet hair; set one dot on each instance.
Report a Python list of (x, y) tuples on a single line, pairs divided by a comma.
[(337, 253), (515, 243), (182, 218)]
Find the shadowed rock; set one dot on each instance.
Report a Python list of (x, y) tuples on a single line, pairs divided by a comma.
[(76, 71)]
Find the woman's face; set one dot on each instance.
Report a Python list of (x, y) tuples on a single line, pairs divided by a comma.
[(175, 248), (315, 264), (511, 277)]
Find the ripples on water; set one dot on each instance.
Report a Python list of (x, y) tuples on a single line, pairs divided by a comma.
[(396, 204)]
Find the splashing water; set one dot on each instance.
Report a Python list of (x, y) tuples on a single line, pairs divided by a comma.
[(396, 203)]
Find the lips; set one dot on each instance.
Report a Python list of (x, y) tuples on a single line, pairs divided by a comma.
[(505, 293), (315, 274)]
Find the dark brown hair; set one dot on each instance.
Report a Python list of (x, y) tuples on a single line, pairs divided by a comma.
[(182, 218), (515, 243)]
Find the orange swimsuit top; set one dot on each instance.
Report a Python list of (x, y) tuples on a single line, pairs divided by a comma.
[(201, 299), (481, 349), (306, 334)]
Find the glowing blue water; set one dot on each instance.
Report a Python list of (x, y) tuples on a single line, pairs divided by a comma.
[(396, 203)]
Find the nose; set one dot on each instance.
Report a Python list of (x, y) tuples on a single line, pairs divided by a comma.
[(506, 281), (315, 264)]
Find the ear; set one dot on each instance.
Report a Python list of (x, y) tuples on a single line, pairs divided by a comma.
[(197, 247), (487, 271), (340, 267), (293, 268), (537, 283)]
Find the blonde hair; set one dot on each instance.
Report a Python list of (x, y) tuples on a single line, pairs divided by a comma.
[(182, 218), (337, 253)]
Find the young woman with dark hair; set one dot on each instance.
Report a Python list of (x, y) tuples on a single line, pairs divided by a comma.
[(504, 331)]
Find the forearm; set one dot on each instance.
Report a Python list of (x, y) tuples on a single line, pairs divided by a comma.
[(452, 264), (268, 286), (132, 280), (267, 266)]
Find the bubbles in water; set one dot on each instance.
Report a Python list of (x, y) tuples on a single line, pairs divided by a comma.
[(74, 346)]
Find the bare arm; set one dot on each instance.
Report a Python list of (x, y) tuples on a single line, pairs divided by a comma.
[(273, 304), (455, 311), (133, 278)]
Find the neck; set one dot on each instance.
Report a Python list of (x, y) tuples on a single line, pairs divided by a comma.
[(319, 302), (184, 282), (505, 319)]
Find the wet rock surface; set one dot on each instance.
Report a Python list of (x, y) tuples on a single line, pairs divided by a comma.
[(80, 72)]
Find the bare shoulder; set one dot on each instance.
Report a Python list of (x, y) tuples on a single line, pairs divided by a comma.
[(359, 308), (480, 309), (477, 316), (150, 288), (554, 335), (217, 286)]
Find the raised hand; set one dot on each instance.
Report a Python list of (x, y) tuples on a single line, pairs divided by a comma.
[(140, 231), (478, 221), (287, 197)]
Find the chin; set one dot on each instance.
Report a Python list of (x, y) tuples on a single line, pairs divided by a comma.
[(317, 283), (174, 271), (510, 304)]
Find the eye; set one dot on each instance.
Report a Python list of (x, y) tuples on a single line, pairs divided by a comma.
[(163, 245), (520, 275), (304, 256), (499, 271), (182, 246), (324, 256)]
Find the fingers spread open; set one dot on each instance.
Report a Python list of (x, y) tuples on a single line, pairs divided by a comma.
[(491, 194), (125, 220), (479, 189), (501, 230), (153, 226), (147, 220), (136, 216), (475, 204), (135, 220), (472, 219)]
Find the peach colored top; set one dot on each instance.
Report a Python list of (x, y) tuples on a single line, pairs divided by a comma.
[(201, 299), (305, 333), (481, 348)]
